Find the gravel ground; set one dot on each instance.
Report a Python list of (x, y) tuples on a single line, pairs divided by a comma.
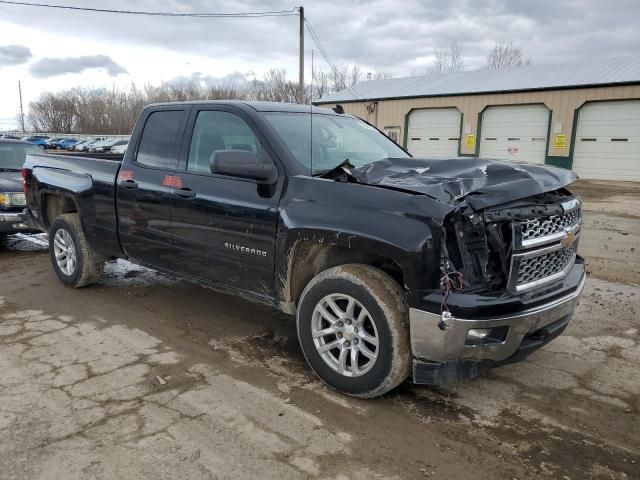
[(611, 243), (142, 376)]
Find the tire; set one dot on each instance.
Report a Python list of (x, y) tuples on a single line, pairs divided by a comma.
[(385, 318), (66, 232)]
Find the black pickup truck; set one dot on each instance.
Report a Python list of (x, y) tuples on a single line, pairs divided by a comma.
[(394, 266)]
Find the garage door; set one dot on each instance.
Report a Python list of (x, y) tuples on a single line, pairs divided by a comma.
[(434, 132), (516, 132), (608, 141)]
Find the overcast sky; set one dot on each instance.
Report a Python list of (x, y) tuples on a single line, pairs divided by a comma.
[(51, 49)]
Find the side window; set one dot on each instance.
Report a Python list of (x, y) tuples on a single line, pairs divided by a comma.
[(160, 142), (218, 131)]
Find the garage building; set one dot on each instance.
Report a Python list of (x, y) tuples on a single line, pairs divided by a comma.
[(581, 115)]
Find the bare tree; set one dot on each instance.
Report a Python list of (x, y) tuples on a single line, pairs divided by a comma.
[(354, 75), (449, 59), (345, 76), (339, 77), (383, 75), (274, 87), (321, 84), (505, 55), (53, 112), (114, 111)]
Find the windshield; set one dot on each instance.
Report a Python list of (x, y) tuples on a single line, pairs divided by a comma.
[(335, 139), (13, 155)]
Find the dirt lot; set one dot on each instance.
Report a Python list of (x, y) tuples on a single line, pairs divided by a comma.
[(80, 395), (611, 242)]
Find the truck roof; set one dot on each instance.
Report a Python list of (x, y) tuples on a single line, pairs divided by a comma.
[(257, 106)]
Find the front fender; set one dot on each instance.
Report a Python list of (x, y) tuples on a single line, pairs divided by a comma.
[(396, 226)]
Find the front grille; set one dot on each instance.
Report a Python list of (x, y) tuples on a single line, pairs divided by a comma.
[(542, 266), (544, 248), (543, 227)]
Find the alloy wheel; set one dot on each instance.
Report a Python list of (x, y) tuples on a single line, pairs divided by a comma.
[(345, 335)]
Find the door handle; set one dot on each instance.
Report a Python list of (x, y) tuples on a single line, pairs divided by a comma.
[(129, 184), (185, 193)]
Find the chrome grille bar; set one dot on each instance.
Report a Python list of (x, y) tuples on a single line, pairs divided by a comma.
[(544, 248)]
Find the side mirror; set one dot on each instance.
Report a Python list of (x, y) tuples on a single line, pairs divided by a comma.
[(241, 163)]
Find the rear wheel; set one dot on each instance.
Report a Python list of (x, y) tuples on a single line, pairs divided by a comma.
[(71, 256), (353, 330)]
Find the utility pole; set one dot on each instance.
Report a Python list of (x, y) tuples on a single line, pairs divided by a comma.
[(21, 110), (301, 71)]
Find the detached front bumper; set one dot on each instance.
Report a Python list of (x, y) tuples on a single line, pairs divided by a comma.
[(15, 222), (453, 354)]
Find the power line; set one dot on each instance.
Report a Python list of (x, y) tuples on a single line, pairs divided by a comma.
[(323, 52), (279, 13)]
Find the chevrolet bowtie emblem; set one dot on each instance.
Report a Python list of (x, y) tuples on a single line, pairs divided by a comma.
[(568, 240)]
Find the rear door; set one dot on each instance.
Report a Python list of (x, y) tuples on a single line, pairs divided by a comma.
[(145, 186), (224, 228)]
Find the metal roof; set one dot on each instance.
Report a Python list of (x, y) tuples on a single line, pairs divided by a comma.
[(609, 71)]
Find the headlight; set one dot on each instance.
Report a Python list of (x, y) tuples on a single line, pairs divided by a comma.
[(13, 199)]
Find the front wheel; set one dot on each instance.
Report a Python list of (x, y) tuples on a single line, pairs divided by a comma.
[(353, 329), (73, 260)]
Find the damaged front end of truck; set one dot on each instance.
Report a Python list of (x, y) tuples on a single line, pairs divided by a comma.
[(510, 274)]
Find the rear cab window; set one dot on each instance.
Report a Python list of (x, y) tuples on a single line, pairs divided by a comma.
[(160, 140)]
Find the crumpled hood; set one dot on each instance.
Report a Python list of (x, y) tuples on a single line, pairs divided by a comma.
[(479, 182), (10, 181)]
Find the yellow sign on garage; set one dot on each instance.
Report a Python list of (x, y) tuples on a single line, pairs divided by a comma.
[(471, 141), (561, 141)]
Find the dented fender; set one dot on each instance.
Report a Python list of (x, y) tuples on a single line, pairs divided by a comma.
[(355, 223)]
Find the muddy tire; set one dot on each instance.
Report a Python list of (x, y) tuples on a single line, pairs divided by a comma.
[(353, 328), (71, 256)]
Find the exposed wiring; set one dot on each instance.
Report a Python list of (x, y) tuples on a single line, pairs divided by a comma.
[(451, 282), (280, 13)]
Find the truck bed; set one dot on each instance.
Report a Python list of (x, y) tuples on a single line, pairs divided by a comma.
[(100, 156), (88, 181)]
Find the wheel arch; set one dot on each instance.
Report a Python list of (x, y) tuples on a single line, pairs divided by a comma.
[(55, 204), (306, 257)]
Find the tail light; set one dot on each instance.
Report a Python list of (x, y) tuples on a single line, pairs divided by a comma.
[(24, 180)]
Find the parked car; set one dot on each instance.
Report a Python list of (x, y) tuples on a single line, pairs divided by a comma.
[(12, 203), (120, 149), (393, 266), (57, 142), (87, 146), (107, 145), (97, 144), (84, 146), (53, 142), (40, 140), (67, 143), (79, 146)]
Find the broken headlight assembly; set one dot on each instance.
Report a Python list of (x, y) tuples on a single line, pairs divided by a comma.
[(478, 250)]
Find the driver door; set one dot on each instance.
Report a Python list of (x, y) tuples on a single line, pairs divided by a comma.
[(224, 228)]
